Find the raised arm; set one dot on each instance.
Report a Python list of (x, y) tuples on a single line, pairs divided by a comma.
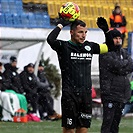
[(102, 24), (52, 37)]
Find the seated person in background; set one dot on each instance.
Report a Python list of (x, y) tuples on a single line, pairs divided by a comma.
[(30, 86), (129, 105), (8, 101), (13, 83), (45, 98), (118, 20)]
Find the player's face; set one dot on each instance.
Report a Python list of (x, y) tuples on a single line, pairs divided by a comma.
[(117, 41), (78, 35)]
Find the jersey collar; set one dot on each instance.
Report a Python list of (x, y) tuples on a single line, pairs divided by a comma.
[(74, 43)]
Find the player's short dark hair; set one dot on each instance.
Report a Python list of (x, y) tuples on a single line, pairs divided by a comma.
[(76, 23)]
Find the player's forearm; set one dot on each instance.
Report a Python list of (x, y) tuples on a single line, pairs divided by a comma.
[(53, 35)]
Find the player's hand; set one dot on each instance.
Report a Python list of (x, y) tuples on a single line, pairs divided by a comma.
[(62, 21), (102, 24)]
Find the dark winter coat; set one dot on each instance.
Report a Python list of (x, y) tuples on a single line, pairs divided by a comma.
[(2, 82), (42, 77), (12, 78), (29, 81), (114, 68)]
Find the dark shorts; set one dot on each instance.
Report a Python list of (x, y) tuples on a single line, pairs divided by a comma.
[(76, 110)]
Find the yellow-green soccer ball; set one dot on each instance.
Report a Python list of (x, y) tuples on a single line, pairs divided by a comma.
[(70, 11)]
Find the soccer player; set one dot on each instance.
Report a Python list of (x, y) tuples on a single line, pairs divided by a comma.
[(75, 58)]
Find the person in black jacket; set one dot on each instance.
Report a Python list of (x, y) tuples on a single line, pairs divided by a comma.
[(30, 86), (12, 77), (13, 83), (2, 80), (75, 56), (45, 99), (8, 101), (114, 84)]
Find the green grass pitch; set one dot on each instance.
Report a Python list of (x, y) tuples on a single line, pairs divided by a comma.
[(126, 126)]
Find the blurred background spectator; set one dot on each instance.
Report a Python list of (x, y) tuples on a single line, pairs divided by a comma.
[(30, 86), (118, 20), (13, 83), (9, 102), (45, 98), (129, 105)]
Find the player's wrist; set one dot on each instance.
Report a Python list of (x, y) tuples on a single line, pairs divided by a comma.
[(60, 26)]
